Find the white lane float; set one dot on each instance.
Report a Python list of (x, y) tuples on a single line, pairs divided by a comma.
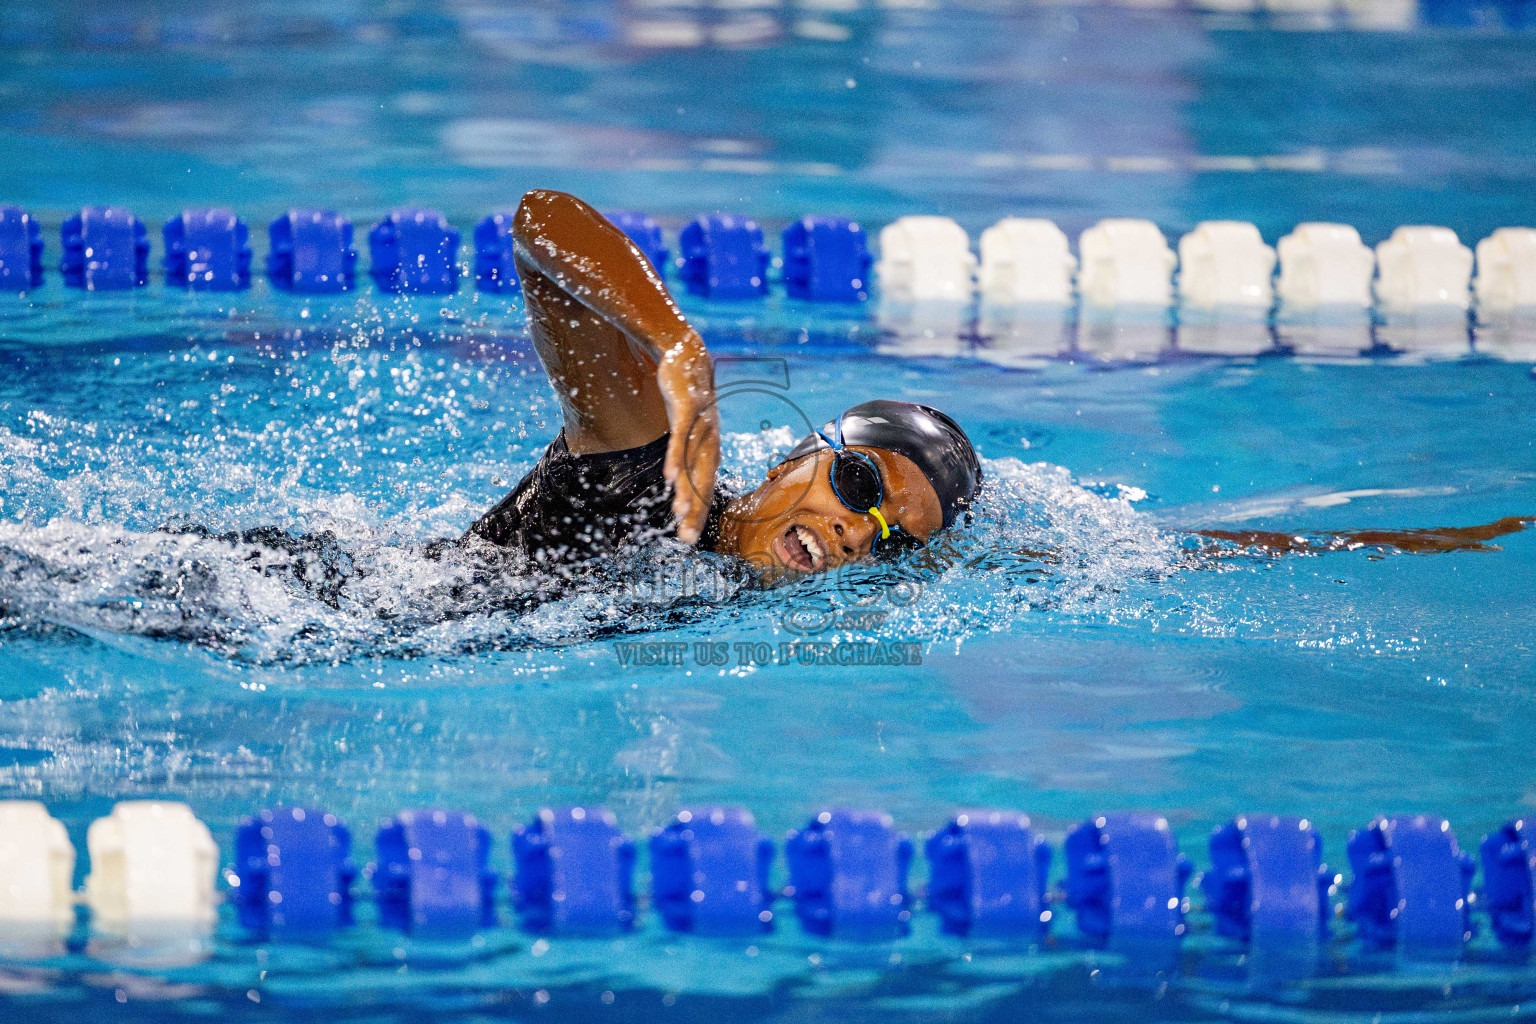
[(1506, 270), (37, 868), (1423, 289), (153, 865), (925, 257), (1125, 263), (1226, 263), (1423, 266), (1026, 260), (1325, 265)]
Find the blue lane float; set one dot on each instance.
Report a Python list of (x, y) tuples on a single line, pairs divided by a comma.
[(987, 874), (643, 230), (207, 250), (826, 259), (21, 250), (1410, 884), (106, 248), (292, 874), (1509, 883), (723, 257), (1125, 879), (311, 252), (848, 875), (1267, 884), (709, 872), (494, 269), (293, 871), (415, 251), (574, 872), (433, 874)]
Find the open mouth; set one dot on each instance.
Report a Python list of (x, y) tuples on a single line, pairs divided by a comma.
[(798, 547)]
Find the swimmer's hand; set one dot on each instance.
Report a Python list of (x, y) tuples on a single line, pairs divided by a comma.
[(686, 377)]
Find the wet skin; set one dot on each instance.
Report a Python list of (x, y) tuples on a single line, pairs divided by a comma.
[(1419, 542), (625, 365), (795, 521), (628, 368)]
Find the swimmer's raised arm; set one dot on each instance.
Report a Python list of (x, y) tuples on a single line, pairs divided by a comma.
[(626, 365)]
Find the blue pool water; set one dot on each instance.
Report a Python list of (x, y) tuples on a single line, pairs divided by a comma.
[(1078, 653)]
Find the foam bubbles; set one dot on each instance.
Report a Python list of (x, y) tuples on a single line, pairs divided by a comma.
[(356, 585)]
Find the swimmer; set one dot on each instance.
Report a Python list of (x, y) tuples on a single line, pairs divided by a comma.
[(639, 449)]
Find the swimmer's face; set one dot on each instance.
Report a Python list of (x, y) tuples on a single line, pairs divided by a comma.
[(795, 522)]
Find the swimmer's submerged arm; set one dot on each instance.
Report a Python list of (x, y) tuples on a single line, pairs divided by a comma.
[(1419, 542), (625, 364)]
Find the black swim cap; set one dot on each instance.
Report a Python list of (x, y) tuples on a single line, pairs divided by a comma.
[(926, 436)]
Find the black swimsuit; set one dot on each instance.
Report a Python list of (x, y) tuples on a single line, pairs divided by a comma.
[(571, 508)]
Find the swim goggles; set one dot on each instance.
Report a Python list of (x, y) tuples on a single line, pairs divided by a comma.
[(857, 483)]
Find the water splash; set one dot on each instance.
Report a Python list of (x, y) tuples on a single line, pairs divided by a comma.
[(356, 584)]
